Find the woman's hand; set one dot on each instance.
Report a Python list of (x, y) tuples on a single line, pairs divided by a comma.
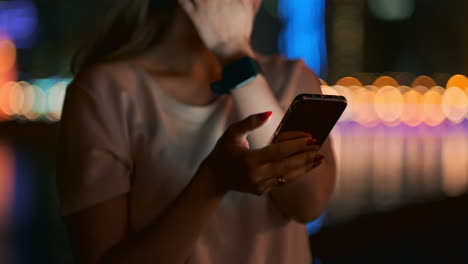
[(234, 166), (224, 26)]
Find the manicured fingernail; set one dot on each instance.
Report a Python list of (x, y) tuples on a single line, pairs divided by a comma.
[(265, 115), (311, 142)]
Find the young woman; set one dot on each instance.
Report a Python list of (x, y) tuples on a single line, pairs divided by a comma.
[(154, 167)]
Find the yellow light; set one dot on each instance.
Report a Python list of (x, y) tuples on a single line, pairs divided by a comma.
[(438, 89), (403, 89), (349, 81), (433, 114), (421, 89), (454, 104), (413, 111), (7, 55), (458, 81), (424, 81), (29, 98), (388, 103), (466, 93), (363, 108), (8, 99), (385, 81), (372, 88), (346, 92), (16, 100), (55, 100), (38, 105)]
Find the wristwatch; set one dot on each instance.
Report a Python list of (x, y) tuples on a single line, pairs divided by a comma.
[(237, 74)]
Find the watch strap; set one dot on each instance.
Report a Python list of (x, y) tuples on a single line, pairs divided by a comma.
[(236, 74)]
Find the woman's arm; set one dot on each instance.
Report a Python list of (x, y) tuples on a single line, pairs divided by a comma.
[(100, 234), (225, 27), (305, 199)]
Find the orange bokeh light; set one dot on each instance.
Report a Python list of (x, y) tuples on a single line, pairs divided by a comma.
[(385, 81), (425, 81), (458, 81), (346, 92), (454, 104), (389, 104), (413, 111), (363, 108), (433, 114), (7, 55), (349, 81)]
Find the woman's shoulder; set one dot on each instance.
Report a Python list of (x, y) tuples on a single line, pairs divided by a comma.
[(286, 74), (106, 77)]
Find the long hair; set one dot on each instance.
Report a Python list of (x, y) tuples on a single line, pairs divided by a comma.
[(131, 26)]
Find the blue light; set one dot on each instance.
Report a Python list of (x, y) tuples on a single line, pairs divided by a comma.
[(18, 19), (303, 36), (315, 226)]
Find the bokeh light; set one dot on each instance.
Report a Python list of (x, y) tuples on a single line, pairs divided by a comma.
[(346, 93), (385, 81), (363, 108), (368, 105), (424, 81), (432, 100), (388, 103), (19, 19), (55, 98), (9, 99), (392, 10), (413, 111), (454, 104), (349, 81), (7, 55), (458, 80)]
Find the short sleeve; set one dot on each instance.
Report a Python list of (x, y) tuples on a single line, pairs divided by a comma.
[(94, 161)]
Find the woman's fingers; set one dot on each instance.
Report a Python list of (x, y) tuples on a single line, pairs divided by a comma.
[(289, 135), (291, 175), (240, 130), (282, 150), (294, 162)]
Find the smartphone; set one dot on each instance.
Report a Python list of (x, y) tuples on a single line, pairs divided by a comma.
[(312, 113)]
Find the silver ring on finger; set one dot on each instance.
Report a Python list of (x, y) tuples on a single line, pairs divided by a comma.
[(280, 181)]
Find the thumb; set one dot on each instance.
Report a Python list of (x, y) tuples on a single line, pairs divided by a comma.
[(244, 127)]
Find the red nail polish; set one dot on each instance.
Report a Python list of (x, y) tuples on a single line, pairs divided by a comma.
[(265, 115), (311, 142)]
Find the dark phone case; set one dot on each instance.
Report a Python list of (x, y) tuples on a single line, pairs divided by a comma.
[(313, 113)]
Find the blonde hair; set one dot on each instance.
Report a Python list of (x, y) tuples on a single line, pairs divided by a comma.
[(131, 26)]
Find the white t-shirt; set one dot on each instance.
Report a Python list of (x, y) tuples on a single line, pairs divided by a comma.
[(120, 134)]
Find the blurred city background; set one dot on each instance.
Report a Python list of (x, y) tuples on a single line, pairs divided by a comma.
[(402, 145)]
